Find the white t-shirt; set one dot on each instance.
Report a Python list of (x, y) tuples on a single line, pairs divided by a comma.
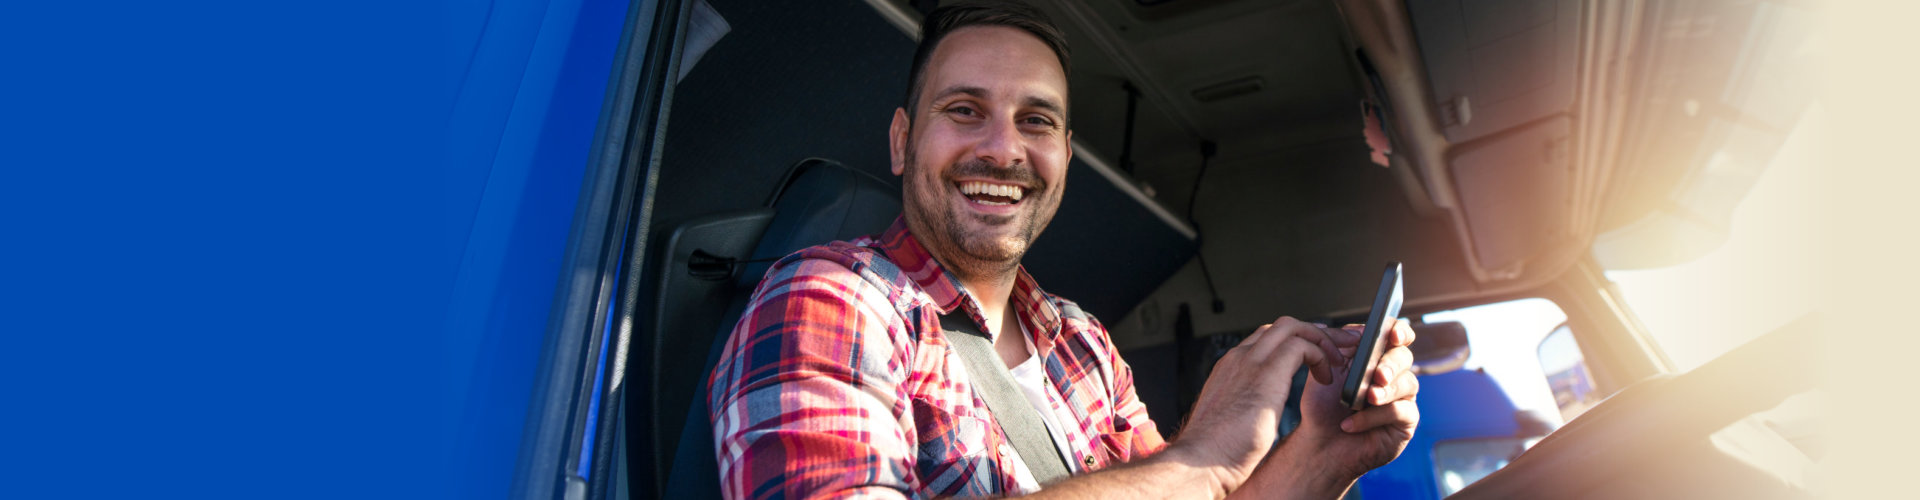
[(1031, 376)]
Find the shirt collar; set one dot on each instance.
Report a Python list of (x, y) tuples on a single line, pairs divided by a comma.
[(1029, 302)]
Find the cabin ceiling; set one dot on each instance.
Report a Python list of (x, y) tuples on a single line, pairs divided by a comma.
[(1293, 52), (1291, 197), (1519, 128)]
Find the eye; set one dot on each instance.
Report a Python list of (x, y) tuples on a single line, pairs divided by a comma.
[(1037, 122), (962, 110)]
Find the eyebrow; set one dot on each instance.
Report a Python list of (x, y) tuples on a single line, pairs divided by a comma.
[(981, 93), (1044, 103), (960, 89)]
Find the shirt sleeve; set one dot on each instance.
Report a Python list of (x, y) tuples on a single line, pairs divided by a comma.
[(807, 398)]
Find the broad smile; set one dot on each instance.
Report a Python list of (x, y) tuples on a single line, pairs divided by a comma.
[(986, 194)]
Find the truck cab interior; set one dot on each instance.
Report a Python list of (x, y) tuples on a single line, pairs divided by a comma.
[(1239, 160)]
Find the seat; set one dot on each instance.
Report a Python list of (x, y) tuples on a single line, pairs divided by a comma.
[(712, 265)]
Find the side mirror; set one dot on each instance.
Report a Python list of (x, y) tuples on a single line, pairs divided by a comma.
[(1566, 371), (1439, 348)]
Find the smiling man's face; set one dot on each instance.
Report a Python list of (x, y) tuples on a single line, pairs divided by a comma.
[(984, 152)]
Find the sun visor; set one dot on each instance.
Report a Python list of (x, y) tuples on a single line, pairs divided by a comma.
[(1514, 191), (1496, 64)]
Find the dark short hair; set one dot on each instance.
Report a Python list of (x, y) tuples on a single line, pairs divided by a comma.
[(945, 20)]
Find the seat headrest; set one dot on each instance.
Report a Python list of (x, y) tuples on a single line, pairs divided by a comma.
[(822, 201)]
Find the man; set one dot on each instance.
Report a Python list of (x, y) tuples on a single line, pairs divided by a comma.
[(839, 380)]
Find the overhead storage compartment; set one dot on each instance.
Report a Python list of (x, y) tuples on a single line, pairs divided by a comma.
[(1497, 64)]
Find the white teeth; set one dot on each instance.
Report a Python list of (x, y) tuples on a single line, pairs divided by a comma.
[(975, 187)]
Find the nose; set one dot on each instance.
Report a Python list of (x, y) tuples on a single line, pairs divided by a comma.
[(1001, 146)]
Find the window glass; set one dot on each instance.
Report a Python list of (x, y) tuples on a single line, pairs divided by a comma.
[(1510, 343), (1504, 338), (1761, 277)]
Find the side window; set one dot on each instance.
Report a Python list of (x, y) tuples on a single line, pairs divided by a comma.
[(1505, 340), (1484, 411)]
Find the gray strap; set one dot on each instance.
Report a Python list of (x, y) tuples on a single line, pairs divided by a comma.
[(1017, 418)]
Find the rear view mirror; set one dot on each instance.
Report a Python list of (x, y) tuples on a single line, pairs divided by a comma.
[(1566, 371), (1439, 347)]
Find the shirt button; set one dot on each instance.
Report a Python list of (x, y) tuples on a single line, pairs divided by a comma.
[(1088, 461)]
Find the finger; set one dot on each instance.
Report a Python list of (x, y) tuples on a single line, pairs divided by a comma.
[(1283, 329), (1402, 333), (1254, 336), (1405, 386), (1309, 354), (1246, 344), (1310, 331), (1400, 414), (1380, 384), (1395, 361), (1261, 341), (1343, 336), (1338, 357)]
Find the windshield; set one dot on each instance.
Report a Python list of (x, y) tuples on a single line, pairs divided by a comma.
[(1728, 253), (1760, 278)]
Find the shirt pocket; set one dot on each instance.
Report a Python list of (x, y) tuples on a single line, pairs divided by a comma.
[(970, 435), (956, 457), (1113, 444), (948, 438)]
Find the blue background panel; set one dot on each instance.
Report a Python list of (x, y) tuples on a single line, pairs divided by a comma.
[(530, 99), (284, 250)]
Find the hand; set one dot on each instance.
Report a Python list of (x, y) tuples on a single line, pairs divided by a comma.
[(1348, 443), (1237, 416)]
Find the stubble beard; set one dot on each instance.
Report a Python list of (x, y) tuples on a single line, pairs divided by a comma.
[(971, 256)]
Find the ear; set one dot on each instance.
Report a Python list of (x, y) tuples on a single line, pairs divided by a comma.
[(1069, 147), (897, 140)]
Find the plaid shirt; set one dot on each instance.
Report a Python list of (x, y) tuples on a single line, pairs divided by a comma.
[(839, 382)]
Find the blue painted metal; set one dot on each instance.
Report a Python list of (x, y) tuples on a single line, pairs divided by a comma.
[(1454, 405), (285, 249), (530, 97)]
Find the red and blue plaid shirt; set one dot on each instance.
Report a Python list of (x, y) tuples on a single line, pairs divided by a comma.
[(839, 382)]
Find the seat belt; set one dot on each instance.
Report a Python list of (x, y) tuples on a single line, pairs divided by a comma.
[(1017, 418)]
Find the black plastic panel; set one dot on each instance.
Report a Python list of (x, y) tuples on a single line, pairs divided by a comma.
[(689, 310), (1497, 64), (1105, 250)]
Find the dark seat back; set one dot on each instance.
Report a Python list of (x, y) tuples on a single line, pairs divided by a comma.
[(713, 264)]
